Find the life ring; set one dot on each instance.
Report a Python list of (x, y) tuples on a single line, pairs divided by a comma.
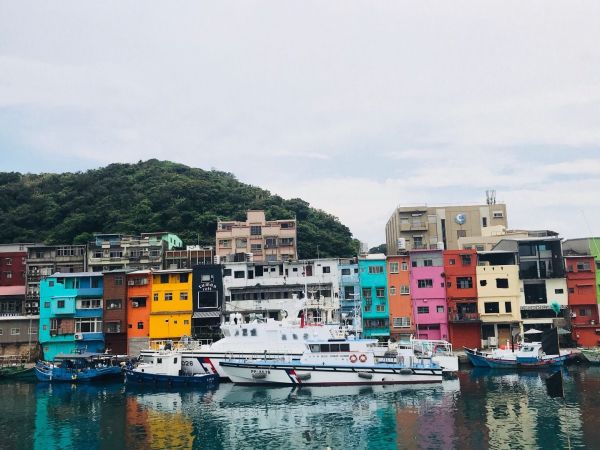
[(353, 358), (74, 376), (362, 358)]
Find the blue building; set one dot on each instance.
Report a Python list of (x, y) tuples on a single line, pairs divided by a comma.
[(71, 313), (374, 296), (349, 294)]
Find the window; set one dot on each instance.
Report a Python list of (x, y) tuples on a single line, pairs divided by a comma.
[(113, 327), (440, 309), (465, 260), (585, 312), (427, 263), (186, 322), (183, 295), (225, 243), (241, 243), (492, 308), (404, 290), (114, 304), (559, 291), (464, 282), (15, 331), (366, 293), (90, 304), (484, 222), (140, 325), (8, 275), (392, 290), (349, 292), (255, 230), (426, 283), (375, 269), (502, 283), (88, 325), (451, 262), (482, 282), (32, 330), (583, 266), (461, 233), (183, 277), (393, 267), (155, 296), (238, 274), (422, 309), (344, 271), (8, 261), (401, 322), (255, 247), (164, 279), (226, 272), (571, 290), (508, 307), (326, 269), (380, 308), (46, 304), (404, 266), (118, 281), (168, 296), (60, 304), (380, 292), (253, 332)]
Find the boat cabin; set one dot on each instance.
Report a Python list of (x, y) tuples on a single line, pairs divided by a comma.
[(161, 363), (340, 351)]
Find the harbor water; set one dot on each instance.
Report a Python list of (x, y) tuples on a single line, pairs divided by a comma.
[(478, 409)]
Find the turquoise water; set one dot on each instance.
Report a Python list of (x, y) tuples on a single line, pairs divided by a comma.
[(476, 410)]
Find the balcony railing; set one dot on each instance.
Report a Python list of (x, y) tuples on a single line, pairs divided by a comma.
[(464, 317)]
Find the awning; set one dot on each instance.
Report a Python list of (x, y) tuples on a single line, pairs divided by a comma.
[(206, 315)]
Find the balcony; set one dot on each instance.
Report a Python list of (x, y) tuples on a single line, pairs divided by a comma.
[(89, 292), (464, 317), (414, 226)]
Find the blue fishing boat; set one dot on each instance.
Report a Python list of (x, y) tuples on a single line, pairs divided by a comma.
[(78, 367), (166, 367)]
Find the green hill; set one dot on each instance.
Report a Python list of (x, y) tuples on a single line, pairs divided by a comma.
[(152, 196)]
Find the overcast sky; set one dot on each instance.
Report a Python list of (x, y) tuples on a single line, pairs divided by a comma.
[(353, 106)]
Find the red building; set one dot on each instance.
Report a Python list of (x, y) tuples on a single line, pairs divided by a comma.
[(581, 279), (464, 323), (115, 311), (12, 264)]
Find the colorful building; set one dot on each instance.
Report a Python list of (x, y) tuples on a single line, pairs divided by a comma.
[(498, 297), (586, 247), (71, 313), (349, 294), (115, 311), (171, 306), (13, 259), (139, 293), (464, 322), (581, 285), (208, 301), (373, 295), (400, 303), (428, 292)]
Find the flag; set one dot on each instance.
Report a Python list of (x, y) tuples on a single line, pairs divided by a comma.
[(550, 342)]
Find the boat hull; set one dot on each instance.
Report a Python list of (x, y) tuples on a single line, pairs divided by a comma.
[(295, 374), (133, 376), (46, 373), (527, 363), (476, 359)]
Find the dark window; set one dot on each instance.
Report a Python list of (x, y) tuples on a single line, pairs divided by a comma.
[(183, 277), (427, 262), (571, 290), (426, 283), (46, 304), (118, 281), (227, 272), (502, 283), (482, 282), (492, 308), (60, 304), (451, 262), (422, 309), (140, 325), (559, 291), (367, 293), (326, 269), (413, 263), (464, 282), (535, 293), (508, 307), (484, 222), (345, 271), (465, 260), (164, 279), (461, 233), (255, 230), (527, 250), (238, 274)]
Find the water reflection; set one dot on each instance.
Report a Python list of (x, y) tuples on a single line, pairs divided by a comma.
[(479, 409)]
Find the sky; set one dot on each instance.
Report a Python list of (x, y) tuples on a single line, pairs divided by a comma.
[(354, 106)]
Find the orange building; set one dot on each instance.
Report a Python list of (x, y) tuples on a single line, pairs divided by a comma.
[(400, 304), (581, 285), (139, 291), (464, 322)]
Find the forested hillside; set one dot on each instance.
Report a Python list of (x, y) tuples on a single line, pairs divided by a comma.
[(151, 196)]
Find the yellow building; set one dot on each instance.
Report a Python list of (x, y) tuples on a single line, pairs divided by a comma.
[(171, 305)]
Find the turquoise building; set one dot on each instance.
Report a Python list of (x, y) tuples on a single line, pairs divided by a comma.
[(350, 294), (71, 313), (374, 296)]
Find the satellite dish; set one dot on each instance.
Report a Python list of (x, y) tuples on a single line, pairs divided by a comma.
[(460, 218)]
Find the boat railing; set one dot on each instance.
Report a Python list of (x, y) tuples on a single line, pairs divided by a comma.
[(181, 344)]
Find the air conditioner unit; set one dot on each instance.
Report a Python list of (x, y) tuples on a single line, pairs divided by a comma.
[(493, 341), (135, 304), (78, 336), (130, 283), (217, 259)]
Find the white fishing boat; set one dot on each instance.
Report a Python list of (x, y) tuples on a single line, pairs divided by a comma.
[(335, 363)]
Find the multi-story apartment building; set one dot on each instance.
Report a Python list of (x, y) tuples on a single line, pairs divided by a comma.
[(188, 258), (117, 251), (400, 302), (256, 239), (254, 288), (171, 306), (581, 285), (428, 293), (464, 322), (374, 296), (71, 313), (115, 311), (542, 271), (440, 227), (45, 260), (498, 297), (349, 295), (139, 293), (208, 301), (18, 331), (13, 261), (584, 247)]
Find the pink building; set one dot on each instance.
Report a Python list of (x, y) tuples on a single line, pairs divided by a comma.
[(428, 293)]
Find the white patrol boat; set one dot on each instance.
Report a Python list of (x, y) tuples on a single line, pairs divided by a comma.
[(335, 362)]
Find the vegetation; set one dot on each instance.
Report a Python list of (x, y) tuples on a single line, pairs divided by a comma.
[(381, 248), (152, 196)]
